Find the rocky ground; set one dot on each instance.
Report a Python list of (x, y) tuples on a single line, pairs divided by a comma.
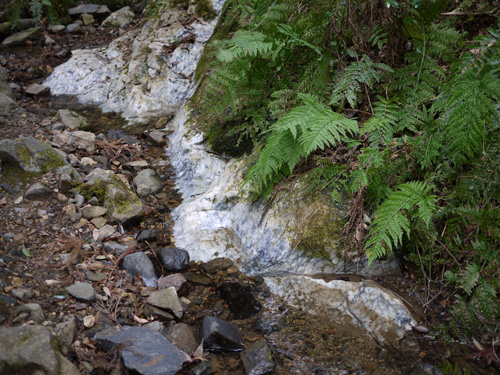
[(90, 279)]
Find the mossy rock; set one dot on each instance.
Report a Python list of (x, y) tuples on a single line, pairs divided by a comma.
[(30, 155), (123, 204)]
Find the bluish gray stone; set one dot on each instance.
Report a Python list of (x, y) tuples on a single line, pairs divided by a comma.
[(83, 291), (140, 264), (174, 259), (220, 335), (167, 299), (257, 359), (182, 336), (144, 350)]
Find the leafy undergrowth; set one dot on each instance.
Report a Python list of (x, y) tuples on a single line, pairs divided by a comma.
[(393, 106)]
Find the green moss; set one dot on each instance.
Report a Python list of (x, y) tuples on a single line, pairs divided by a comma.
[(14, 176), (320, 235), (97, 190)]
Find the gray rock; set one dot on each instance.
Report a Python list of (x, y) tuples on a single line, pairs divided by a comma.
[(220, 335), (66, 331), (90, 212), (83, 291), (167, 299), (174, 259), (139, 264), (257, 359), (68, 178), (145, 351), (423, 368), (6, 102), (38, 90), (114, 247), (20, 38), (204, 368), (82, 140), (157, 313), (147, 182), (119, 18), (49, 42), (30, 350), (182, 336), (5, 312), (136, 165), (122, 203), (87, 19), (83, 9), (33, 310), (26, 23), (158, 137), (79, 200), (99, 222), (147, 235), (37, 190), (70, 119), (30, 155), (103, 11), (73, 28), (216, 265), (55, 29), (158, 327), (176, 280)]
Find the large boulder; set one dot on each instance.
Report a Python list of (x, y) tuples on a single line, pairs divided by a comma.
[(144, 351), (30, 155), (122, 203), (20, 38), (32, 350), (119, 18)]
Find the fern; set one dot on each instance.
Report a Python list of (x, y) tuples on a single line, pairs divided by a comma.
[(381, 126), (350, 84), (297, 134), (242, 44), (391, 222)]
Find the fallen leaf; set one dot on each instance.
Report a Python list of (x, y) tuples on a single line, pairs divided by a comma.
[(26, 252), (140, 320)]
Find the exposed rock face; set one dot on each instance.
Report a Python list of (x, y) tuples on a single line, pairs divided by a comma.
[(30, 155), (365, 304), (18, 39), (30, 349), (122, 203), (151, 83)]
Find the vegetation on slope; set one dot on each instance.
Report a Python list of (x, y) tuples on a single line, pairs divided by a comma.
[(393, 107)]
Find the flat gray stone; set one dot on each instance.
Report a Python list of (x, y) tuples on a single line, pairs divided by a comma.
[(91, 212), (55, 29), (144, 350), (70, 119), (30, 350), (82, 9), (34, 311), (167, 299), (37, 190), (82, 140), (20, 38), (139, 264), (220, 335), (83, 291), (38, 90)]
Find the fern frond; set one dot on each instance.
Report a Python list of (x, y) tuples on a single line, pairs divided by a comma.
[(381, 126), (392, 219), (244, 43)]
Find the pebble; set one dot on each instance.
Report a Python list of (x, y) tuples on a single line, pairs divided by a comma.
[(176, 280), (167, 299), (91, 212), (174, 259), (83, 291)]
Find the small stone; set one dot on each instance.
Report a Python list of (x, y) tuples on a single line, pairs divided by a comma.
[(20, 38), (38, 90), (114, 247), (62, 198), (216, 265), (220, 335), (158, 137), (87, 19), (139, 264), (79, 200), (174, 259), (99, 222), (197, 278), (157, 313), (55, 29), (66, 331), (167, 299), (104, 232), (182, 336), (176, 280), (33, 310), (147, 235), (89, 321), (96, 276), (83, 291), (73, 28), (37, 190), (82, 140), (49, 41), (136, 165), (257, 359), (70, 119), (147, 182), (90, 212)]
